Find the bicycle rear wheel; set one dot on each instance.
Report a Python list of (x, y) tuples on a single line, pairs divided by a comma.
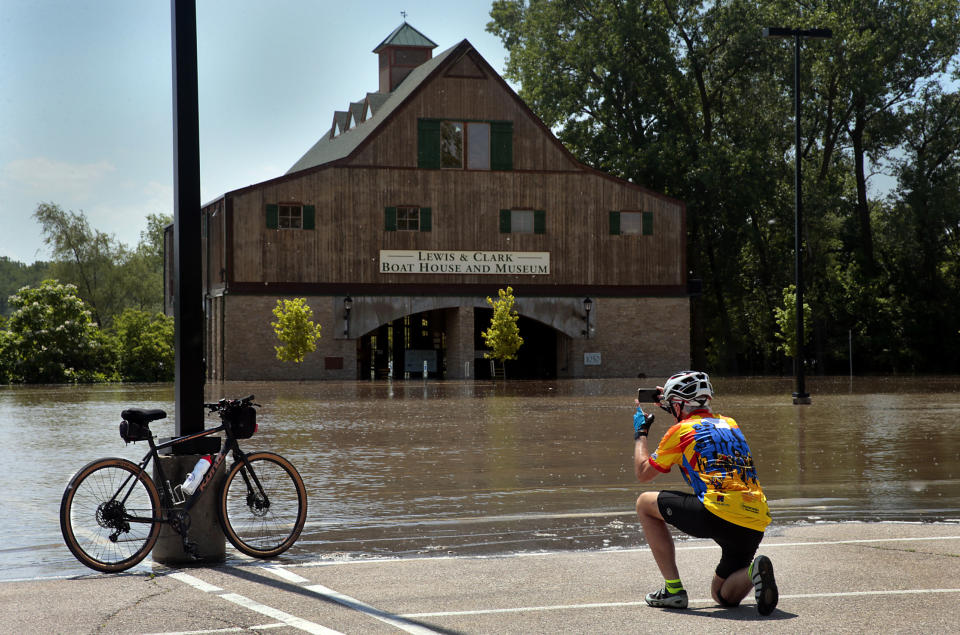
[(108, 515), (263, 505)]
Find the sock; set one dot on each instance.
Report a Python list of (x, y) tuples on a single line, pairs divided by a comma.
[(673, 586)]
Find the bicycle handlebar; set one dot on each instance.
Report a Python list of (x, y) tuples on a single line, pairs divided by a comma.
[(224, 404)]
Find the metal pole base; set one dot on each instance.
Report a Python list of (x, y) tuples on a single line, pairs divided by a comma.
[(205, 529), (801, 399)]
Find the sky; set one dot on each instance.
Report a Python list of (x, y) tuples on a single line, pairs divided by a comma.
[(86, 97)]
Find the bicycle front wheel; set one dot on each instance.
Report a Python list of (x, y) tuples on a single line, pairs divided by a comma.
[(263, 505), (108, 515)]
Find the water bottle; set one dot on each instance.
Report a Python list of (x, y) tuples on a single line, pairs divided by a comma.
[(193, 479)]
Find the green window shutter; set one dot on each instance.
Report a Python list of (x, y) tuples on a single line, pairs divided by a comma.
[(501, 145), (273, 216), (647, 223), (539, 222), (615, 223), (390, 219), (428, 144), (504, 221), (309, 217), (425, 219)]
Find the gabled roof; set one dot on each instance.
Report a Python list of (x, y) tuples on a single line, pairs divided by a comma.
[(331, 148), (405, 35)]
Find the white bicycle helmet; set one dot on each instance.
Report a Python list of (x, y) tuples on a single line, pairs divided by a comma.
[(689, 389)]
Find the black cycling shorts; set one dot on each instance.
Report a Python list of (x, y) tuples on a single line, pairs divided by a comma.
[(686, 513)]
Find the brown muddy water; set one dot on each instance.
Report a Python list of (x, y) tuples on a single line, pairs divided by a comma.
[(415, 468)]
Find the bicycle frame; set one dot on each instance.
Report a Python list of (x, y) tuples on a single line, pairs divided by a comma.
[(171, 495)]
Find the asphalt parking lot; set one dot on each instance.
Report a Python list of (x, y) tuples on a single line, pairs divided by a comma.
[(837, 578)]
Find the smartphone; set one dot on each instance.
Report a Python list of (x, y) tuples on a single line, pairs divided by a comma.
[(648, 395)]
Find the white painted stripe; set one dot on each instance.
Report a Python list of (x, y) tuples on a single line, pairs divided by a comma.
[(383, 616), (286, 618), (347, 601), (196, 583), (567, 607)]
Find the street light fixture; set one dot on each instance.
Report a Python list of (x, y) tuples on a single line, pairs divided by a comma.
[(347, 305), (587, 305), (801, 396)]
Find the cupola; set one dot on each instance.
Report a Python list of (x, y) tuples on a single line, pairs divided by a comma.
[(401, 52)]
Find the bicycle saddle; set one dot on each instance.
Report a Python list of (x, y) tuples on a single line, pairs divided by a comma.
[(139, 415)]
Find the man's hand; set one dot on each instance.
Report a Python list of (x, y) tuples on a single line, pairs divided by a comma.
[(641, 423)]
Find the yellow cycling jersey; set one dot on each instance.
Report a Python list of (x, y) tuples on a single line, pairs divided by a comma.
[(715, 461)]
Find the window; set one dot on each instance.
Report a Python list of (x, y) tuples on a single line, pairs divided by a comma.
[(451, 144), (290, 216), (523, 221), (474, 145), (631, 223), (407, 218)]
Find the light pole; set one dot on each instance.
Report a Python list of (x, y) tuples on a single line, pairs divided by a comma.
[(800, 396)]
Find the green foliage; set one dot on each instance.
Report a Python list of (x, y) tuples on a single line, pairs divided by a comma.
[(145, 346), (503, 336), (108, 275), (686, 98), (294, 328), (50, 338), (786, 316), (15, 275)]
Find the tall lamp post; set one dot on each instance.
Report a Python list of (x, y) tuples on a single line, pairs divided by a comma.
[(801, 396)]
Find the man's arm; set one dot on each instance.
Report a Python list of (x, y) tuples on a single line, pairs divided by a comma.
[(641, 454), (641, 461)]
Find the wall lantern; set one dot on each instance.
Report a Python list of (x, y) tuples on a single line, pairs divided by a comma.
[(587, 305), (347, 305)]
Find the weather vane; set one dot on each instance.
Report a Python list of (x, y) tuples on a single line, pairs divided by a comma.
[(404, 14)]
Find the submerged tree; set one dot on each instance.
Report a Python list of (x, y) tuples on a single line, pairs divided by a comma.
[(503, 336), (295, 329)]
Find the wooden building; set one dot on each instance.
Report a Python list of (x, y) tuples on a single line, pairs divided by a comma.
[(423, 199)]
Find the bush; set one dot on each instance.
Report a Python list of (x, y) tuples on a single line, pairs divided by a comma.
[(51, 338), (145, 346)]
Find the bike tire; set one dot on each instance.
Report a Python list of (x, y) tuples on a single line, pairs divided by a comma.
[(89, 515), (250, 526)]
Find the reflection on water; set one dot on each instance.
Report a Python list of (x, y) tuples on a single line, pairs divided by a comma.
[(462, 467)]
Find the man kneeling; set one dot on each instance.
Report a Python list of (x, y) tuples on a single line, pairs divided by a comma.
[(727, 505)]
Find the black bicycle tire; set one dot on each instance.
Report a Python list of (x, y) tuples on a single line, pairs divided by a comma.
[(77, 502), (262, 543)]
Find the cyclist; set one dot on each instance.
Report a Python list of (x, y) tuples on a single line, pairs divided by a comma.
[(727, 505)]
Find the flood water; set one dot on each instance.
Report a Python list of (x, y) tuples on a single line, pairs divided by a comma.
[(397, 469)]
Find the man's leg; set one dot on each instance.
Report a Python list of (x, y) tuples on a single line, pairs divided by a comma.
[(658, 535), (731, 591)]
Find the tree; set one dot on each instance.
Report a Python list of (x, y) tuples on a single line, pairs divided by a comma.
[(786, 317), (85, 257), (52, 338), (16, 275), (145, 346), (502, 337), (294, 328)]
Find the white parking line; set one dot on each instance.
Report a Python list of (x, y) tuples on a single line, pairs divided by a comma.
[(247, 603), (353, 603), (604, 605)]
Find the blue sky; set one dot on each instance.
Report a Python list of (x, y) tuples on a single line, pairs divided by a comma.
[(85, 97)]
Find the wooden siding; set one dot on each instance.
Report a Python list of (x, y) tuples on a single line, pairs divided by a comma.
[(465, 205), (465, 99)]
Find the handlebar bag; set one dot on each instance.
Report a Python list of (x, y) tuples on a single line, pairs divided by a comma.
[(243, 422)]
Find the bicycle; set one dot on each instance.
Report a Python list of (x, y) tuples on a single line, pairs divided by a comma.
[(112, 510)]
